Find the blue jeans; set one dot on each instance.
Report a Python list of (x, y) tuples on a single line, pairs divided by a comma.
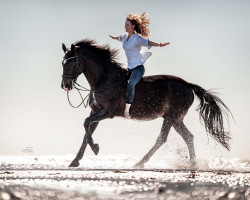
[(135, 77)]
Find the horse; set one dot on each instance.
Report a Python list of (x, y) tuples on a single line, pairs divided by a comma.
[(165, 96)]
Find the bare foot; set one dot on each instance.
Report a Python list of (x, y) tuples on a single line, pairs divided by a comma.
[(127, 115)]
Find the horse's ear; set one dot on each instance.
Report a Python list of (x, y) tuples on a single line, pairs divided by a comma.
[(73, 48), (64, 47)]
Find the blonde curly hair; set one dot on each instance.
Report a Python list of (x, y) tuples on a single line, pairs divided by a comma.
[(141, 23)]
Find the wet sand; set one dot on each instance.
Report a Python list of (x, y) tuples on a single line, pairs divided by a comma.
[(123, 184), (112, 177)]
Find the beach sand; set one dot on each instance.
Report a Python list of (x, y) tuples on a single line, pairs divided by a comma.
[(41, 177)]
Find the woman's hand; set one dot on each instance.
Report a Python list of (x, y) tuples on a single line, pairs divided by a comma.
[(164, 44), (115, 38), (156, 44)]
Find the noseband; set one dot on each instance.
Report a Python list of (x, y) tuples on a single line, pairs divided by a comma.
[(73, 76)]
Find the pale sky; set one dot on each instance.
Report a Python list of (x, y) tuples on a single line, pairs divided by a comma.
[(210, 46)]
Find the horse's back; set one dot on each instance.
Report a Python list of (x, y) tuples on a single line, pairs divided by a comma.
[(155, 78), (166, 84)]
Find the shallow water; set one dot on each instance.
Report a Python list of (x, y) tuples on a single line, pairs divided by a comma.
[(118, 162), (113, 177)]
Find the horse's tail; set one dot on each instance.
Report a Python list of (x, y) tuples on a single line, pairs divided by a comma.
[(211, 110)]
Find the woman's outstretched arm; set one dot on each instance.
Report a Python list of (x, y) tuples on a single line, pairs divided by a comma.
[(113, 37), (155, 44)]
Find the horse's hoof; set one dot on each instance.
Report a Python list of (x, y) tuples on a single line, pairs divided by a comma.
[(138, 166), (96, 149), (74, 163)]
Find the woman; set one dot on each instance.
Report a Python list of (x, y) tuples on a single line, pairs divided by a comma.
[(137, 30)]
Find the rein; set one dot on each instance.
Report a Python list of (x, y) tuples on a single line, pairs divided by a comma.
[(74, 83), (87, 96), (83, 99)]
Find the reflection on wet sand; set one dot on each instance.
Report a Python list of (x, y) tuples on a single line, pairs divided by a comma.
[(47, 178)]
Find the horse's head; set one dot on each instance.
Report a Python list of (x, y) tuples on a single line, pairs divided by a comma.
[(71, 68)]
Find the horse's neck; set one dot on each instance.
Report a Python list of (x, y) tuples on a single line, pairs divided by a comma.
[(93, 72), (100, 75)]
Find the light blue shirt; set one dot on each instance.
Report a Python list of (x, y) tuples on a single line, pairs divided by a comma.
[(133, 49)]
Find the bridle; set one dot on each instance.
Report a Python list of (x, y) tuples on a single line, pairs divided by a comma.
[(73, 77)]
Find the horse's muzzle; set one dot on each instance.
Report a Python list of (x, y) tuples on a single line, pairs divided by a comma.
[(66, 86)]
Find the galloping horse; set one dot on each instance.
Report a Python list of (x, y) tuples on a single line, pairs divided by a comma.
[(156, 96)]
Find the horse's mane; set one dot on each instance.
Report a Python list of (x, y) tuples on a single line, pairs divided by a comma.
[(103, 51)]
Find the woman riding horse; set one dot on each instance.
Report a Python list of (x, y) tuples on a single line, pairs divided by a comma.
[(164, 96), (137, 30)]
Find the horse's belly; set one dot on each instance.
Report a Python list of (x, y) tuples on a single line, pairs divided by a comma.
[(149, 106)]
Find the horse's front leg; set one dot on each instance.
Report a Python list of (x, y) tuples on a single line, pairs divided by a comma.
[(90, 125), (90, 141)]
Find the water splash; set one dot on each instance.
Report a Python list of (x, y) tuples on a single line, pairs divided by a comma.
[(119, 162)]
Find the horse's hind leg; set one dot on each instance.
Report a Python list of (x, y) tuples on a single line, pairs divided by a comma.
[(188, 138), (162, 138)]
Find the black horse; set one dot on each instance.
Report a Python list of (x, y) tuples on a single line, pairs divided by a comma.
[(156, 96)]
